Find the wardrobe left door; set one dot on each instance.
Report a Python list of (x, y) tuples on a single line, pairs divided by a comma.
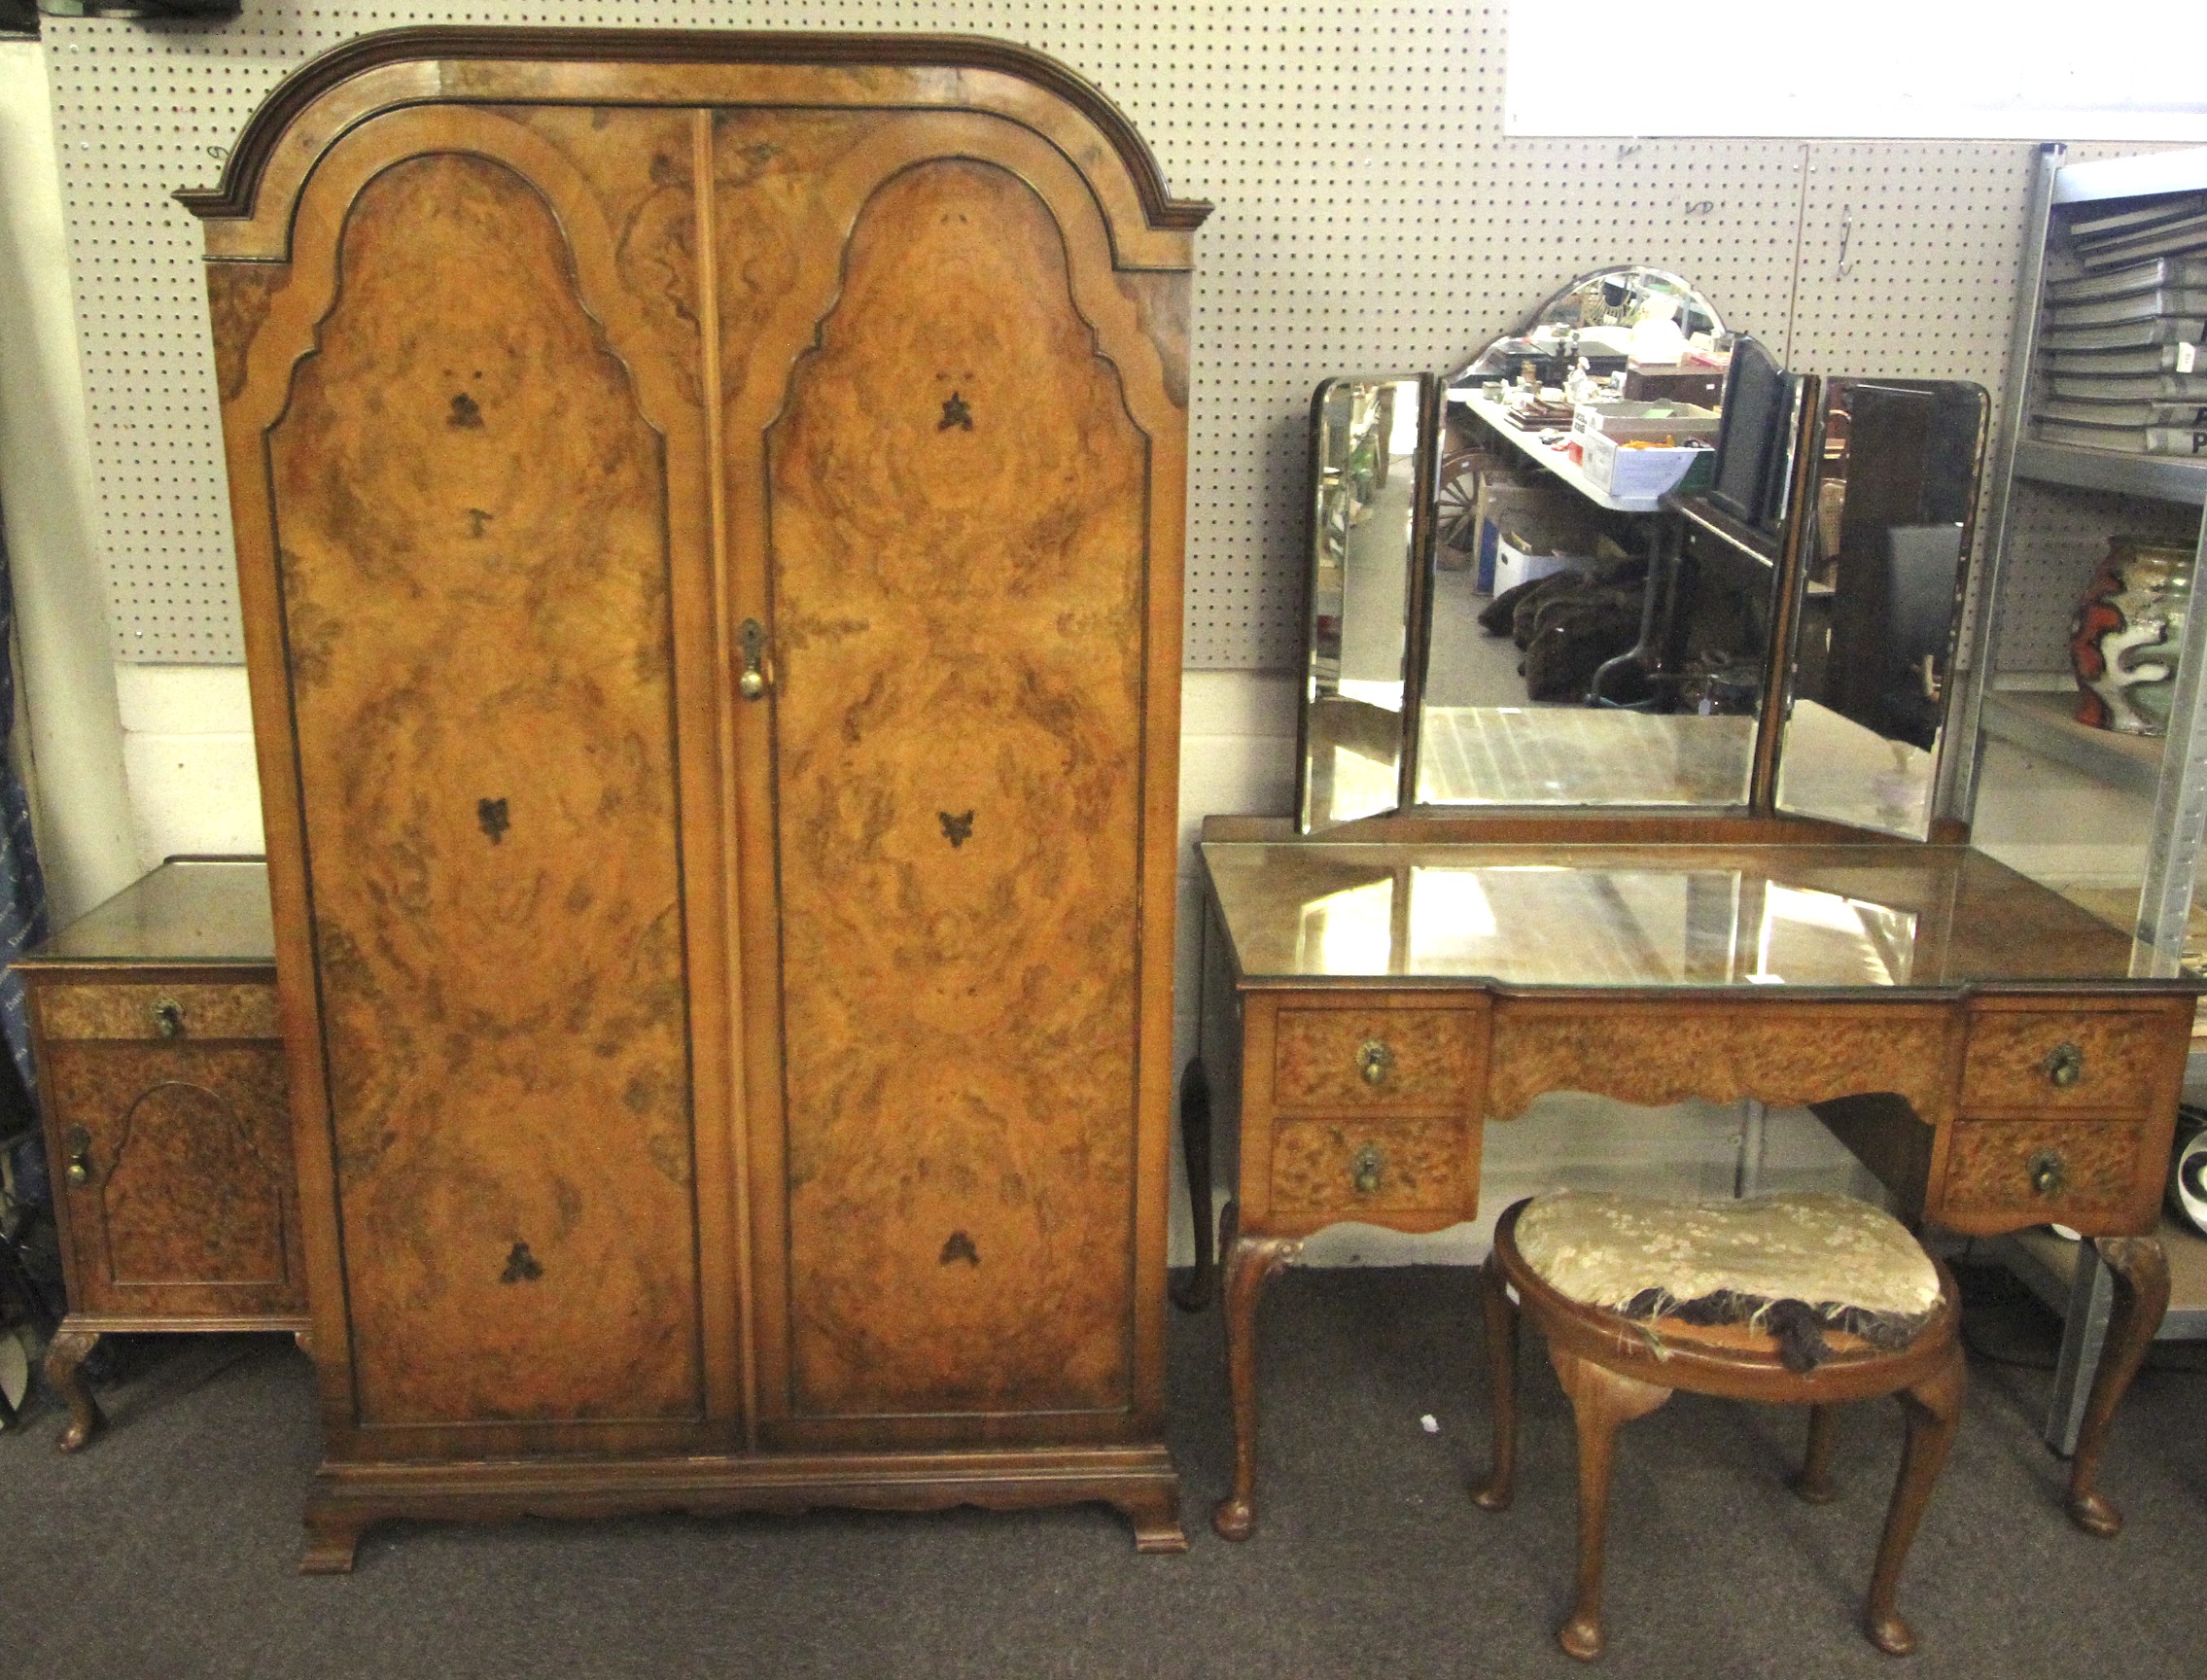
[(466, 436)]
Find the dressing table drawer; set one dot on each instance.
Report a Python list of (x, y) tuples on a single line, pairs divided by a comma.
[(2070, 1171), (1347, 1169), (2070, 1062), (1365, 1057)]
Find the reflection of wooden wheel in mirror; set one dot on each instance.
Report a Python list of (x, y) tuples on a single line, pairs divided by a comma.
[(1457, 501)]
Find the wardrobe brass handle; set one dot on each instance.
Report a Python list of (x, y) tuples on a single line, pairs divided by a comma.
[(1375, 1061), (2064, 1065), (752, 683), (168, 1017), (79, 1147)]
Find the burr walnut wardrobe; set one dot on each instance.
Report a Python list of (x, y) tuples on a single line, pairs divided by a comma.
[(708, 511)]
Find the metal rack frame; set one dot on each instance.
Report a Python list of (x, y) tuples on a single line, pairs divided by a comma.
[(2179, 787)]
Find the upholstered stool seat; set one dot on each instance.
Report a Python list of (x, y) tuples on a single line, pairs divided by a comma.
[(1805, 1300)]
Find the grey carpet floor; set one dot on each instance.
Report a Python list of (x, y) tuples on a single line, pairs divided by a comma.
[(168, 1549)]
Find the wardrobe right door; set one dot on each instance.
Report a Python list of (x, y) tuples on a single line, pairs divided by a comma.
[(964, 625)]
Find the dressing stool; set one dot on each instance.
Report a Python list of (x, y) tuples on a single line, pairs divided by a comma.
[(1805, 1300)]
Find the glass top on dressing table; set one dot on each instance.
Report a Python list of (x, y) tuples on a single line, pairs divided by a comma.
[(1874, 917)]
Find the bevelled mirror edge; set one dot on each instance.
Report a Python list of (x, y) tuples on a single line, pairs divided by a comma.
[(1366, 520), (1871, 689)]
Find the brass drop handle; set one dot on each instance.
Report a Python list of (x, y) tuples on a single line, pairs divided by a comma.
[(752, 683), (168, 1017), (2064, 1065), (1375, 1061), (79, 1168), (2048, 1172), (1365, 1168)]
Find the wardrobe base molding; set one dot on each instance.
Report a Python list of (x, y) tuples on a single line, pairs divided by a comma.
[(348, 1499)]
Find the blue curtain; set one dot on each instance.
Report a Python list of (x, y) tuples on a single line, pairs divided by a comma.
[(22, 920)]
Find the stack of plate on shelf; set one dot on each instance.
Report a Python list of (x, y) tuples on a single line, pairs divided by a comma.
[(2123, 350)]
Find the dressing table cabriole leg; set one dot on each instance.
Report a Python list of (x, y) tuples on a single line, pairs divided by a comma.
[(1251, 1262), (1602, 1401), (2140, 1268), (65, 1356), (1933, 1410), (1194, 1295), (1502, 1316)]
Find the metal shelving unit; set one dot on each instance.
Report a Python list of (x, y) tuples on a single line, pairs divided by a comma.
[(2167, 777)]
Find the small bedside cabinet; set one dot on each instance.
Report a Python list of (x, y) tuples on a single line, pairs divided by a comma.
[(161, 1065)]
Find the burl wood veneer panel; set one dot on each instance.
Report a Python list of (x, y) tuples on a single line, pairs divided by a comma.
[(1990, 1169), (957, 529), (1426, 1055), (1786, 1057), (1412, 1164), (189, 1204), (474, 553), (2007, 1063), (203, 1011)]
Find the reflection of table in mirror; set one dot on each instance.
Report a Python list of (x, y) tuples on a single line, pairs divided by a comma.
[(1985, 1047), (1573, 756)]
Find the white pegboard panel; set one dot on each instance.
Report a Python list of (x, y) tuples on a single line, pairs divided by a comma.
[(1372, 217)]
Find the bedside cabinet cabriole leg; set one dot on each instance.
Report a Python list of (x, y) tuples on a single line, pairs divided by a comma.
[(1251, 1262), (2140, 1268), (65, 1357)]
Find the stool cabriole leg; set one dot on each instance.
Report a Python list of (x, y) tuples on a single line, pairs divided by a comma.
[(1501, 1313), (1601, 1401), (1934, 1409), (1813, 1483)]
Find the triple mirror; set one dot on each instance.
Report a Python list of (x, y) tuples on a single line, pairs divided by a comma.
[(1495, 622)]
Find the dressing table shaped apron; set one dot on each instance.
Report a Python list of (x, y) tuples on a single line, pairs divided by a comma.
[(1375, 995)]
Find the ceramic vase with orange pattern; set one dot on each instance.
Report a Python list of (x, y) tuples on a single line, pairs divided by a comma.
[(2127, 633)]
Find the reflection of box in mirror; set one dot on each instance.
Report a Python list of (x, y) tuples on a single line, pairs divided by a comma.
[(1640, 422), (1546, 510), (1514, 565), (1624, 470)]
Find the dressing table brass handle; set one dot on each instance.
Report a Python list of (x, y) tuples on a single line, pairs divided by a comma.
[(1375, 1061), (2049, 1176), (752, 683), (1365, 1168), (2064, 1065), (168, 1017), (80, 1144)]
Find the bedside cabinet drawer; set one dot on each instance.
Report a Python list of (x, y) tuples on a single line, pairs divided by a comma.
[(1400, 1058), (159, 1012), (2084, 1063), (1340, 1167), (2066, 1172)]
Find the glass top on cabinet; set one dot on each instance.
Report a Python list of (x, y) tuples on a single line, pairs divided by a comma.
[(1870, 917), (187, 911)]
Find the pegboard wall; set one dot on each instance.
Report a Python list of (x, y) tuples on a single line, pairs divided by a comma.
[(1372, 217)]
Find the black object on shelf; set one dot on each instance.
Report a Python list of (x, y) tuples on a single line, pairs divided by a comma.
[(148, 11)]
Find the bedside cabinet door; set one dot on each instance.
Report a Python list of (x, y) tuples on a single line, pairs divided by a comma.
[(173, 1163)]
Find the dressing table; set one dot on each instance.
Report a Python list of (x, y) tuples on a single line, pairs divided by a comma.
[(1389, 969)]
